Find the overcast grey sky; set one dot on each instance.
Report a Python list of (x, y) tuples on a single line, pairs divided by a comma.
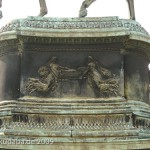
[(13, 9)]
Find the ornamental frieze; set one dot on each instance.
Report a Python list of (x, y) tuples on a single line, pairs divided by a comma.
[(73, 23)]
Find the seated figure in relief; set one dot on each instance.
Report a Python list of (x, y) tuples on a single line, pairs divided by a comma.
[(50, 74), (100, 79)]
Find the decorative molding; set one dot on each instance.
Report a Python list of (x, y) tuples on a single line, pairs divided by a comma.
[(72, 44), (25, 43), (85, 122), (141, 123), (56, 122), (73, 23), (70, 40)]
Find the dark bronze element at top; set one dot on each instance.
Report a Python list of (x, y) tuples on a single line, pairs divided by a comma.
[(87, 3), (43, 8), (1, 15), (131, 9), (83, 9)]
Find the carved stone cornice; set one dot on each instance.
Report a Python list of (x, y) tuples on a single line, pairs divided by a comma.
[(38, 34), (98, 44), (73, 40), (108, 23), (47, 44)]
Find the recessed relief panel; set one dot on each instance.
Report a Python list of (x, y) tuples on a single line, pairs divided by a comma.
[(94, 75)]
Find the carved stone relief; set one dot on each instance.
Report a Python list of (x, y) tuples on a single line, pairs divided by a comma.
[(101, 81)]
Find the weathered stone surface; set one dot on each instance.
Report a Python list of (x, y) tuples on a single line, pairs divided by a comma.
[(68, 119)]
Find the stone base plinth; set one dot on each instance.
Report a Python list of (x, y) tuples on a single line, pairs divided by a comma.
[(43, 123)]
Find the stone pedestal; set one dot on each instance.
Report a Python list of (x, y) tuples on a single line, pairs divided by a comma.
[(70, 83)]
